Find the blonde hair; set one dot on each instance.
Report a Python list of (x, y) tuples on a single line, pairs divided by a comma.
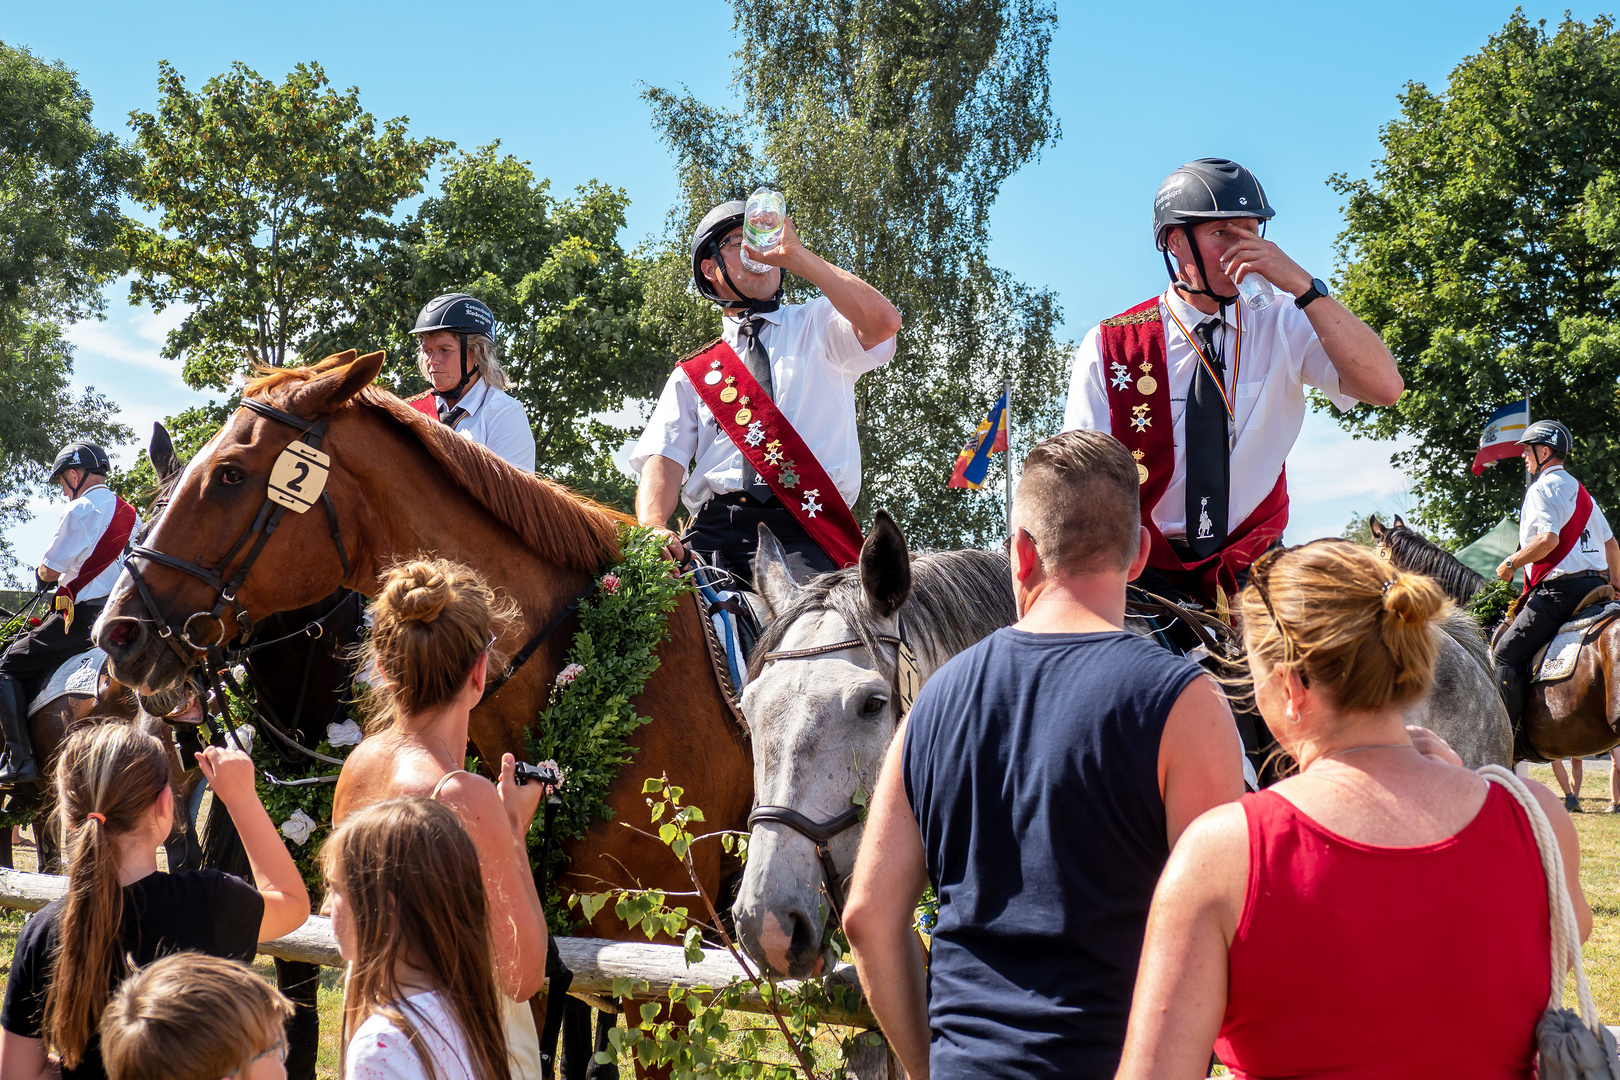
[(1347, 622), (116, 773), (484, 354), (190, 1017), (408, 873), (432, 619)]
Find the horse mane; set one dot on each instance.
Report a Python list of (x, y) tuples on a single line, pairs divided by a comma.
[(562, 528), (1412, 551), (957, 598)]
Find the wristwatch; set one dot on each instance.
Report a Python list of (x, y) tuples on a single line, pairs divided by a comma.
[(1318, 288)]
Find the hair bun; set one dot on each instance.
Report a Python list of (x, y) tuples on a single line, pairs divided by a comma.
[(1412, 599), (417, 592)]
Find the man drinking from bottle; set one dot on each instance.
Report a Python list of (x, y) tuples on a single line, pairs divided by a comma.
[(759, 427), (1208, 393)]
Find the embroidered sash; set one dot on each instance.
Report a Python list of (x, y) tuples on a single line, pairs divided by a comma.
[(1138, 387), (778, 453), (1568, 536), (103, 555)]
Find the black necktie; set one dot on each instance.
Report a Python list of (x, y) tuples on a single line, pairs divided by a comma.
[(758, 362), (1208, 449), (448, 414)]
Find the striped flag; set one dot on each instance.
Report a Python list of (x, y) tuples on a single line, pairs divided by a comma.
[(1500, 439), (974, 461)]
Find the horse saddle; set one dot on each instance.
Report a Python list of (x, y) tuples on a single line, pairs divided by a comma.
[(78, 675), (1556, 660)]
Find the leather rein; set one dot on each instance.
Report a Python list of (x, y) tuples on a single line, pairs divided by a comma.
[(822, 833)]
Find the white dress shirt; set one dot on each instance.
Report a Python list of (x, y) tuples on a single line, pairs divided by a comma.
[(495, 419), (815, 360), (1281, 356), (1548, 506), (82, 526)]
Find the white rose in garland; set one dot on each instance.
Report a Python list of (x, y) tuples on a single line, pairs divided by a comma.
[(347, 733), (298, 828)]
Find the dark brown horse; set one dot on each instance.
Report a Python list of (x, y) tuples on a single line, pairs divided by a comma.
[(1573, 717), (401, 484)]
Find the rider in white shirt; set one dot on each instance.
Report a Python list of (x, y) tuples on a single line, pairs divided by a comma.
[(457, 353), (81, 564), (1568, 548)]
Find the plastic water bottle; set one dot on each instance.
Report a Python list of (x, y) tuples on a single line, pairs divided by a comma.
[(1256, 292), (763, 221)]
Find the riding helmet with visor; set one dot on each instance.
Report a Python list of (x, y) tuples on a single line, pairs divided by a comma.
[(1548, 433), (1209, 189), (460, 314), (85, 456), (706, 241)]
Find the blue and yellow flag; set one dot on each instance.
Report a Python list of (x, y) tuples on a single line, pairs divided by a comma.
[(974, 461)]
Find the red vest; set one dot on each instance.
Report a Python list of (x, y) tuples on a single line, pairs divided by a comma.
[(1136, 374)]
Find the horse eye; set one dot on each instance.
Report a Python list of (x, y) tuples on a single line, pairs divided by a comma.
[(230, 474), (874, 704)]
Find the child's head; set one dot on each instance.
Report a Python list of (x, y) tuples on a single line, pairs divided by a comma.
[(112, 785), (406, 895), (195, 1017)]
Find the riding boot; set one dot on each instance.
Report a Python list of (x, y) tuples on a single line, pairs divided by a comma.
[(1510, 680), (18, 766)]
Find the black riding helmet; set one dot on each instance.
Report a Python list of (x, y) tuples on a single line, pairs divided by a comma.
[(1548, 433), (706, 245), (460, 314), (80, 455), (1209, 189)]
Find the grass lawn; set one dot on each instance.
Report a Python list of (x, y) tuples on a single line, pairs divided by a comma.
[(1600, 878)]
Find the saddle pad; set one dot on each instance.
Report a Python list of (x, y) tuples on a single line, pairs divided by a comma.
[(79, 675), (1557, 658), (725, 633)]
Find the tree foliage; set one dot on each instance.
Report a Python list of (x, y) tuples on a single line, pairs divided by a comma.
[(1486, 251), (275, 201), (60, 180), (890, 127), (565, 294)]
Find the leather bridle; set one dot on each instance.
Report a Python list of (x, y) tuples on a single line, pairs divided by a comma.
[(822, 833)]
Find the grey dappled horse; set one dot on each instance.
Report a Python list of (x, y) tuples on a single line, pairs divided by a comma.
[(820, 724)]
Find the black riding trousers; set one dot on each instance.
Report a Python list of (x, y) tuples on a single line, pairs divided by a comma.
[(34, 656), (727, 530), (1548, 607)]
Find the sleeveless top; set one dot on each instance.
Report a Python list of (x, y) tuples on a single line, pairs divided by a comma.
[(1358, 961), (522, 1037), (1031, 763)]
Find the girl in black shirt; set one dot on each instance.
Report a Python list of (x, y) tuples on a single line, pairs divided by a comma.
[(113, 790)]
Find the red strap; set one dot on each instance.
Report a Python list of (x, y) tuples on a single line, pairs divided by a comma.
[(1567, 537), (1254, 535), (752, 421), (107, 549)]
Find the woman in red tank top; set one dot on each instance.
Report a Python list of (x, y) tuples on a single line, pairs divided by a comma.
[(1382, 913)]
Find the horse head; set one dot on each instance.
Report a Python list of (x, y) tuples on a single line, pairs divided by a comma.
[(223, 553), (822, 708)]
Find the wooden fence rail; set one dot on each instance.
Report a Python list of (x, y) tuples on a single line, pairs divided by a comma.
[(595, 962)]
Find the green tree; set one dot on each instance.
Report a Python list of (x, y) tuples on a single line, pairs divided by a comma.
[(275, 203), (60, 180), (566, 299), (1486, 251), (890, 127)]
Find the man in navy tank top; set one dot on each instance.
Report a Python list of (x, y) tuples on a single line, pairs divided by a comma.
[(1038, 784)]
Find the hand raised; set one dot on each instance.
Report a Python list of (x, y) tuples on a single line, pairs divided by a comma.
[(229, 773), (1257, 255), (520, 800)]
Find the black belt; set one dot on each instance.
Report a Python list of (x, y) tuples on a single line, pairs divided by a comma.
[(742, 498)]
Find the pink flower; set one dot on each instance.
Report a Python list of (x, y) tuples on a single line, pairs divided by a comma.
[(569, 674), (610, 583)]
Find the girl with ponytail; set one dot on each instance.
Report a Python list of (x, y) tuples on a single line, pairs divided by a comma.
[(112, 786), (1382, 912)]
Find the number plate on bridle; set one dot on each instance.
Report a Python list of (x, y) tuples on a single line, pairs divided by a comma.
[(299, 477)]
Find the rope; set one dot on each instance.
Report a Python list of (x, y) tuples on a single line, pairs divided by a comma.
[(1566, 935)]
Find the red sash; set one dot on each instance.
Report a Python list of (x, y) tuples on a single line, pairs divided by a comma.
[(424, 404), (106, 551), (1567, 537), (751, 420), (1138, 386)]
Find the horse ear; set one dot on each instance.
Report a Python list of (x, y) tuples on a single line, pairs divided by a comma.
[(161, 451), (885, 566), (1397, 522), (772, 579), (1375, 527), (340, 378)]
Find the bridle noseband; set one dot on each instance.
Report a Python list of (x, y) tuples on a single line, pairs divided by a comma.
[(822, 833)]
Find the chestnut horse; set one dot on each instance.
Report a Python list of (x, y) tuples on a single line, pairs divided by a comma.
[(1573, 717), (401, 484)]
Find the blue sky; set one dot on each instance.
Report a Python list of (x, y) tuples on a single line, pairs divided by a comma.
[(1296, 92)]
